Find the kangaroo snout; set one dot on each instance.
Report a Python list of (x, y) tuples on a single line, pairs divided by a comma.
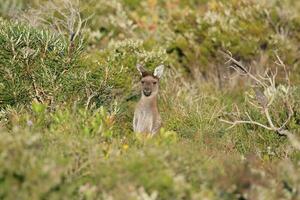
[(147, 93)]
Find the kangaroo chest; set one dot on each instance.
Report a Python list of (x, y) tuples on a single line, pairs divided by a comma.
[(147, 119)]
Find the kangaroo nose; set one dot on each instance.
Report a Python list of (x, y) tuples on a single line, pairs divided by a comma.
[(147, 92)]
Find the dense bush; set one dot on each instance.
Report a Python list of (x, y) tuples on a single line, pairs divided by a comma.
[(37, 64), (68, 86)]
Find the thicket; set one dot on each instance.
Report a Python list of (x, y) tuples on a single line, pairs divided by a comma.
[(68, 86)]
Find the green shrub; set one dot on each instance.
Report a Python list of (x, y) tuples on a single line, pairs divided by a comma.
[(66, 107), (37, 65)]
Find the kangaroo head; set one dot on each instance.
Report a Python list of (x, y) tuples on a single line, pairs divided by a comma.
[(150, 81)]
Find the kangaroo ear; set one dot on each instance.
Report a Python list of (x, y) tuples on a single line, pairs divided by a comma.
[(141, 69), (158, 72)]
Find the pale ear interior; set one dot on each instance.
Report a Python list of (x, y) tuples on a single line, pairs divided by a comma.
[(158, 72)]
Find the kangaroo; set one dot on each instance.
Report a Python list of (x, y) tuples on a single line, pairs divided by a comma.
[(146, 116)]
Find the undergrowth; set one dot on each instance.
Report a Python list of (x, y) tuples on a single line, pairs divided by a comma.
[(68, 87)]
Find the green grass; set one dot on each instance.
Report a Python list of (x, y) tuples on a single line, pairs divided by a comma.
[(66, 107)]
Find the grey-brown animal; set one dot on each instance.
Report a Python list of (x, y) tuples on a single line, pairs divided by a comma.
[(146, 116)]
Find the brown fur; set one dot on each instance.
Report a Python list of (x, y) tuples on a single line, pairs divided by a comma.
[(146, 116)]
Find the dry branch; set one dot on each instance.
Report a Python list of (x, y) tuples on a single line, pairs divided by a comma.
[(267, 82)]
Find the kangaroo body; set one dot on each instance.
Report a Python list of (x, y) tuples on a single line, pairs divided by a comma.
[(146, 116)]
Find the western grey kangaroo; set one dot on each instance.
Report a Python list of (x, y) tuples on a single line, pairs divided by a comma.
[(146, 116)]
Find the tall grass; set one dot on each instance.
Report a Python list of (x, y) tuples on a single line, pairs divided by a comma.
[(68, 87)]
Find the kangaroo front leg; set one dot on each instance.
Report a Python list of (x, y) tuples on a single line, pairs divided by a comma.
[(156, 127)]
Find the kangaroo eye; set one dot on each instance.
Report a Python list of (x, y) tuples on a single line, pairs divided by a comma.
[(154, 82), (142, 82)]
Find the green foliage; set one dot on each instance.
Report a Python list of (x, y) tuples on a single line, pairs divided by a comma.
[(36, 64), (66, 106), (244, 28)]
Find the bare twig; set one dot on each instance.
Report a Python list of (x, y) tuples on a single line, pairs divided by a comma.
[(267, 82), (234, 123), (237, 66)]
